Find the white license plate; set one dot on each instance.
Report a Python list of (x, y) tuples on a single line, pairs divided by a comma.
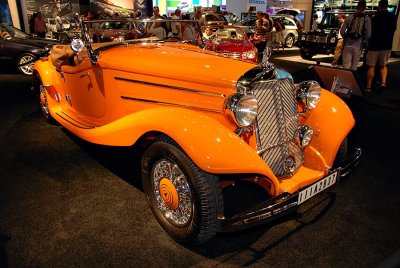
[(317, 187)]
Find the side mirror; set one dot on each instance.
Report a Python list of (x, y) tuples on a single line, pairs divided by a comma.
[(77, 45)]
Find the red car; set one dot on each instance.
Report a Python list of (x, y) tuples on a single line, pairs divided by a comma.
[(116, 30), (231, 41)]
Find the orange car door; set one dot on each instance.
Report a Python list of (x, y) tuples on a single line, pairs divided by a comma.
[(85, 87)]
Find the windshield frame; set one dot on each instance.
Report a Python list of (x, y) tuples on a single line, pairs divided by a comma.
[(87, 34)]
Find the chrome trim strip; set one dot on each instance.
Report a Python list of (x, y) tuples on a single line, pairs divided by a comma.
[(81, 125), (169, 86), (172, 104)]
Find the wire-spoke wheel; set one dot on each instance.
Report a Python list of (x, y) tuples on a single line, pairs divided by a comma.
[(25, 63), (41, 95), (184, 199)]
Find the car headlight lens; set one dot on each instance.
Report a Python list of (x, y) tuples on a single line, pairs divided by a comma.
[(249, 54), (39, 51), (243, 108), (305, 134), (333, 40), (303, 37), (309, 93)]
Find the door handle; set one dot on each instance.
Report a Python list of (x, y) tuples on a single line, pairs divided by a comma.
[(83, 75)]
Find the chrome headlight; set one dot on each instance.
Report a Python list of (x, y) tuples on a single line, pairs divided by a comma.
[(309, 93), (249, 54), (243, 109), (333, 40), (305, 134), (303, 38)]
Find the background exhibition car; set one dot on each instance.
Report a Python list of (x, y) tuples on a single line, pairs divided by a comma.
[(203, 124), (290, 32), (324, 40), (22, 50), (231, 41), (112, 30)]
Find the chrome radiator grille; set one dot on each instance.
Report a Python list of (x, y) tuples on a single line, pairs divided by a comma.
[(316, 38), (234, 55), (277, 124)]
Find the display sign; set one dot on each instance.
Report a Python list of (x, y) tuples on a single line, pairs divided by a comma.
[(259, 5), (49, 9), (5, 12), (189, 5)]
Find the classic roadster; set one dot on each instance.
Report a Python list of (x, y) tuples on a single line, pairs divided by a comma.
[(205, 122)]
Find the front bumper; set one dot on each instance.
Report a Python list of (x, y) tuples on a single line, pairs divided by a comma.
[(316, 48), (284, 203)]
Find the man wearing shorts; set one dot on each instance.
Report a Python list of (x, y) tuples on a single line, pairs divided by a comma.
[(383, 28)]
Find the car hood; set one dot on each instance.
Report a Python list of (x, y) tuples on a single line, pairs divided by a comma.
[(181, 63), (38, 42)]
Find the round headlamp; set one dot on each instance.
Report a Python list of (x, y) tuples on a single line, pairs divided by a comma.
[(249, 54), (305, 134), (333, 40), (243, 108), (309, 93)]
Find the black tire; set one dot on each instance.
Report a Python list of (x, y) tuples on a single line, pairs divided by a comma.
[(176, 187), (289, 41), (41, 95), (341, 154), (307, 55), (25, 63)]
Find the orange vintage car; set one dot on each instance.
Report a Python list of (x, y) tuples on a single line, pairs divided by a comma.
[(205, 121)]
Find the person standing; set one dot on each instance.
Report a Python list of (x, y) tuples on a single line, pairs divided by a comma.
[(356, 31), (40, 26), (383, 26), (32, 23), (340, 43), (59, 24), (314, 25), (176, 26)]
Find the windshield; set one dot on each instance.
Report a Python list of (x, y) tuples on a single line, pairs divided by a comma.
[(223, 32), (14, 32), (126, 30)]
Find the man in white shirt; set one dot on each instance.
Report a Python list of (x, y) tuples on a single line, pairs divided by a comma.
[(59, 24), (176, 26)]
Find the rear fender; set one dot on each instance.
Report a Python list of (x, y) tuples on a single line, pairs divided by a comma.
[(213, 147), (331, 121), (45, 69)]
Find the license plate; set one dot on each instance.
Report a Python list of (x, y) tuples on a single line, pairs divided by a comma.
[(318, 187)]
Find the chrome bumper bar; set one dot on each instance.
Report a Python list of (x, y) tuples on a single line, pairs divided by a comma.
[(278, 206)]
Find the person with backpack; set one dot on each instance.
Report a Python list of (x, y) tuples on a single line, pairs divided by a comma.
[(383, 27), (356, 31)]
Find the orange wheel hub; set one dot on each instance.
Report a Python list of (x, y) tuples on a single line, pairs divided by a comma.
[(169, 194)]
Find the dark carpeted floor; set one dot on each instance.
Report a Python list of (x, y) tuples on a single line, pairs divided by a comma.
[(67, 203)]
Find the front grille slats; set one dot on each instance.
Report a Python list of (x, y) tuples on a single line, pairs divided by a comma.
[(277, 124)]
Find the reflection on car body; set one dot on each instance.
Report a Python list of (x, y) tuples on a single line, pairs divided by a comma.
[(205, 123)]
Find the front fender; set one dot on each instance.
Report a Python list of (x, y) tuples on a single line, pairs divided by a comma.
[(331, 120), (212, 146)]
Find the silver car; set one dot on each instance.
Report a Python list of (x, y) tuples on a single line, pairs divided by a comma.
[(290, 33)]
